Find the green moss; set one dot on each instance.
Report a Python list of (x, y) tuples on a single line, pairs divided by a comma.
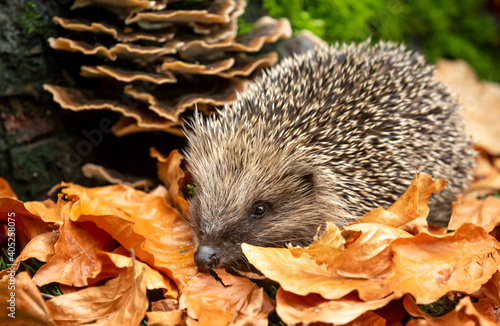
[(440, 307), (445, 28), (244, 26), (29, 20)]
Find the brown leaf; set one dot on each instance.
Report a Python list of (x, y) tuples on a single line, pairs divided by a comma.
[(303, 275), (464, 314), (429, 266), (420, 225), (411, 205), (490, 289), (367, 252), (294, 309), (40, 247), (162, 318), (484, 213), (112, 264), (27, 225), (368, 318), (6, 190), (121, 301), (28, 307), (165, 305), (172, 176), (233, 300), (144, 222), (488, 308), (48, 211), (75, 257)]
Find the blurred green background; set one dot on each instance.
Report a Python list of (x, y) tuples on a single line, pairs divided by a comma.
[(455, 29)]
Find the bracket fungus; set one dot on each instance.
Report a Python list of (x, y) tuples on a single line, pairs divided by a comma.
[(161, 57)]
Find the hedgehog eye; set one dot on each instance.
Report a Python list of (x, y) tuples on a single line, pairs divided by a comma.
[(259, 210)]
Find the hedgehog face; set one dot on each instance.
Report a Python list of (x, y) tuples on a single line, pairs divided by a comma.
[(264, 210)]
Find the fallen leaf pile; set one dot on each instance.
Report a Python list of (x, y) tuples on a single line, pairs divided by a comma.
[(110, 249)]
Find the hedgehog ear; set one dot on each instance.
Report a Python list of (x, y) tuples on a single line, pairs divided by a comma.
[(308, 179), (306, 176)]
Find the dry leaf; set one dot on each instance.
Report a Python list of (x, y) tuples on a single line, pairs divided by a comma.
[(484, 213), (6, 190), (121, 301), (368, 318), (304, 275), (490, 289), (232, 300), (487, 308), (158, 234), (366, 249), (29, 308), (411, 205), (112, 264), (429, 266), (162, 318), (75, 258), (27, 225), (48, 211), (464, 314), (172, 176), (294, 309)]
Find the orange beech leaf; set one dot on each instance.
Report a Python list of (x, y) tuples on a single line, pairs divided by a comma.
[(490, 289), (6, 190), (484, 213), (484, 167), (411, 205), (295, 309), (394, 312), (488, 308), (75, 257), (159, 236), (420, 225), (27, 225), (303, 275), (368, 318), (112, 264), (48, 211), (464, 314), (121, 301), (162, 318), (172, 176), (428, 266), (29, 308), (321, 267), (368, 252), (486, 186), (233, 300), (324, 247), (40, 247), (165, 305), (369, 256)]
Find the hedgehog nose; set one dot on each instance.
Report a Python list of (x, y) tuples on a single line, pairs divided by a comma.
[(206, 258)]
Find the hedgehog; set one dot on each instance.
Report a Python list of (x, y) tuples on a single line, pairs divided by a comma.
[(327, 135)]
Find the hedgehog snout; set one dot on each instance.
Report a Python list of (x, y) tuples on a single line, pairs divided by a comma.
[(206, 258)]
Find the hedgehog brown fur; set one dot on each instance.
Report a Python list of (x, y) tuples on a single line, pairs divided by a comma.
[(324, 136)]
